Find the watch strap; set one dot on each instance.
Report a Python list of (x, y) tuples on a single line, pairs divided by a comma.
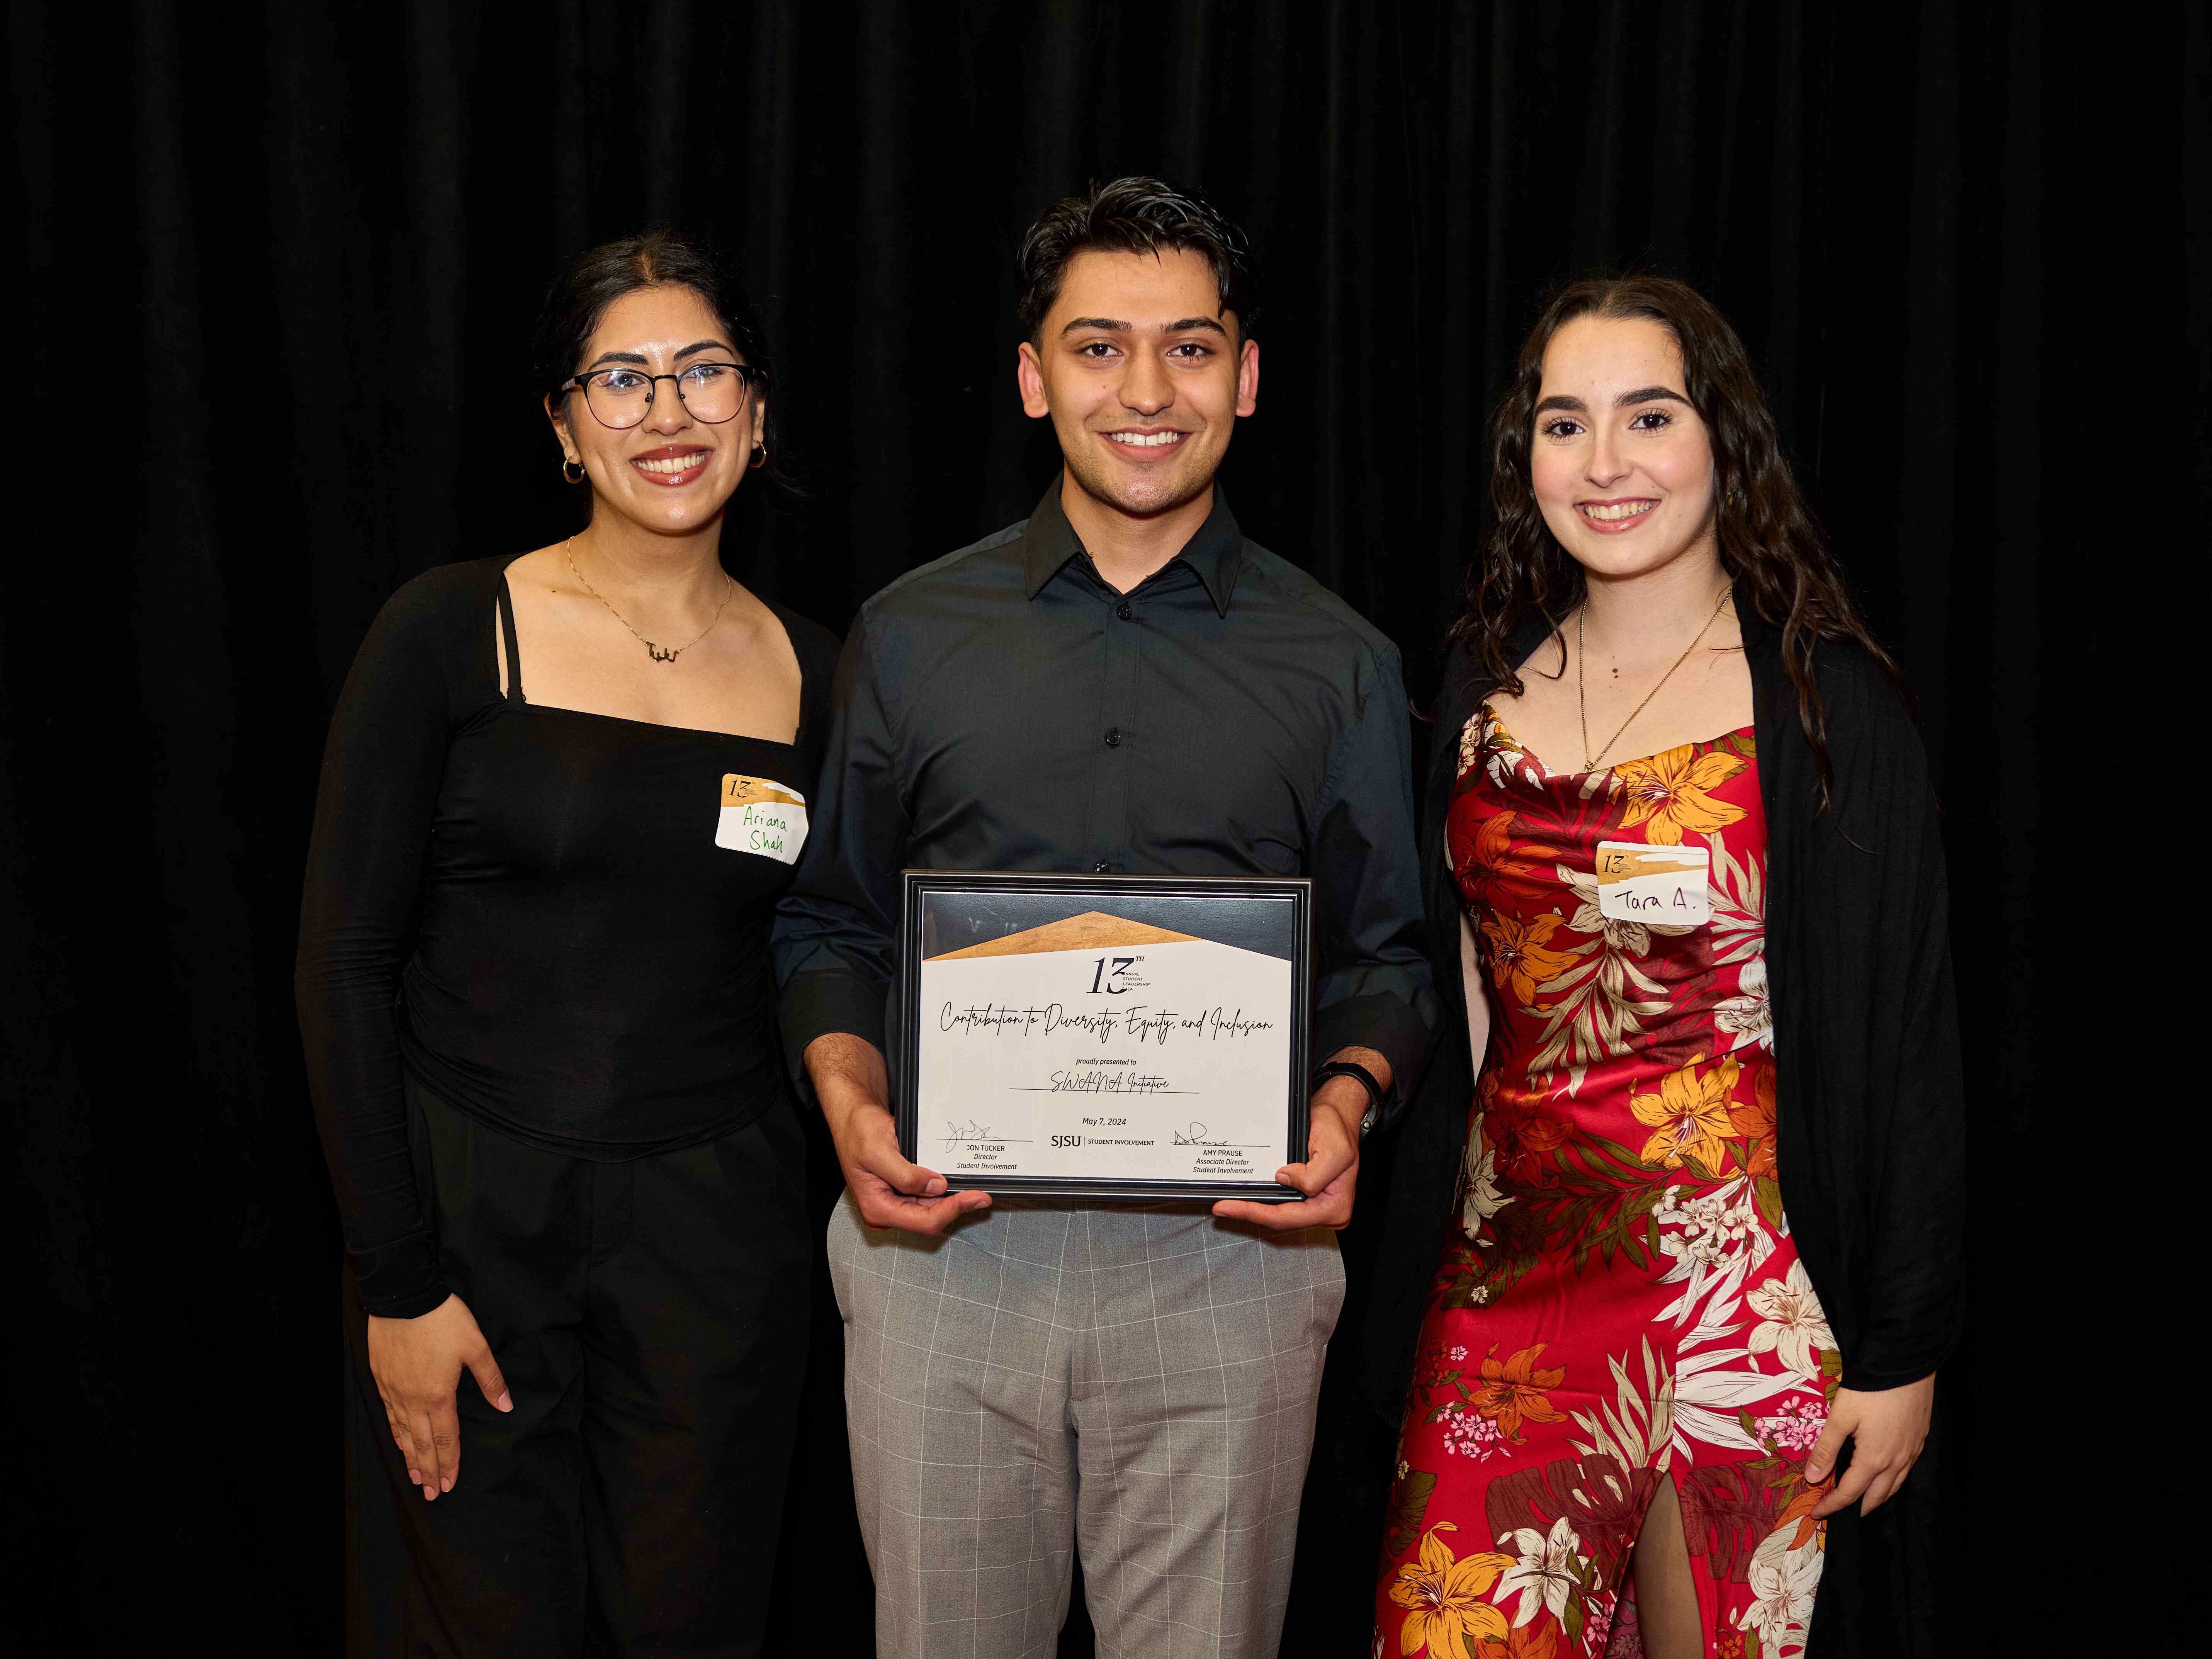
[(1366, 1080)]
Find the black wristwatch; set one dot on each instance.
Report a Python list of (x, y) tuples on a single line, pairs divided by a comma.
[(1353, 1069)]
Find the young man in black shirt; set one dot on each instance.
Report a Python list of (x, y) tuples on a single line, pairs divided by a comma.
[(1121, 683)]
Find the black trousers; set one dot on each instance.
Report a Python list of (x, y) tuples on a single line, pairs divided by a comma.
[(650, 1318)]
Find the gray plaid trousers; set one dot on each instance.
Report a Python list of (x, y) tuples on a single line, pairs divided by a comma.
[(1142, 1380)]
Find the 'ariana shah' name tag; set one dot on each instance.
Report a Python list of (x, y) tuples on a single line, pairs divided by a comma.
[(1660, 886), (759, 815)]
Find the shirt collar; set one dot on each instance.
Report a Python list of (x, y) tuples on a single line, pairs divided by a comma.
[(1216, 552)]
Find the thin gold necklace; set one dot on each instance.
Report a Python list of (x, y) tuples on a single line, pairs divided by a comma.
[(658, 653), (1590, 761)]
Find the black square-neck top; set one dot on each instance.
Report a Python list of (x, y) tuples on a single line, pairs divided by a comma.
[(529, 910)]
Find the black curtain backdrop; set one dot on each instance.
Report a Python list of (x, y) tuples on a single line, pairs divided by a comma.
[(284, 261)]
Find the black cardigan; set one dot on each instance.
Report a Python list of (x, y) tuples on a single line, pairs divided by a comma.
[(1869, 1125)]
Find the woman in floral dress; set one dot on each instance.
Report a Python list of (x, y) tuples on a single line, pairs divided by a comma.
[(1627, 1400)]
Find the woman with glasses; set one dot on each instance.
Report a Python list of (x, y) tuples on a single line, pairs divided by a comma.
[(561, 794)]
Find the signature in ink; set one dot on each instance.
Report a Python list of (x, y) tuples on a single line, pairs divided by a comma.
[(970, 1130), (1195, 1138)]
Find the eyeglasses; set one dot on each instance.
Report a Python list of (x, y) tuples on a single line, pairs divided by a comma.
[(713, 392)]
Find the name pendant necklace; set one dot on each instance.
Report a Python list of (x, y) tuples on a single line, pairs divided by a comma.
[(1590, 761), (658, 653)]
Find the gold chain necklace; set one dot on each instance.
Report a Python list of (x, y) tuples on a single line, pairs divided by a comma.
[(1590, 761), (658, 653)]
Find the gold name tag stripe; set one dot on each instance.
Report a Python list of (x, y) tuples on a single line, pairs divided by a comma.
[(1615, 863), (738, 790)]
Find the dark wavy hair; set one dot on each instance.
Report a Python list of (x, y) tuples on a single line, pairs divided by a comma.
[(1134, 215), (1768, 541), (599, 276)]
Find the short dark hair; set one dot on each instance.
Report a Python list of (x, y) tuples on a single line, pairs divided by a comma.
[(599, 276), (1133, 215)]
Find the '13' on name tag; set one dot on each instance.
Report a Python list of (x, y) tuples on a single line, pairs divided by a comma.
[(1661, 886), (759, 815)]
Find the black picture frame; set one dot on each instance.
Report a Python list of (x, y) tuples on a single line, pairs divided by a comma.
[(1080, 893)]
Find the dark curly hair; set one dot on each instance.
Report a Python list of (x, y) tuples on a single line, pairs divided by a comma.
[(1768, 541), (1133, 215), (580, 295)]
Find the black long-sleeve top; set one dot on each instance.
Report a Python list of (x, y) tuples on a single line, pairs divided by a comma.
[(1869, 1097), (529, 908), (1005, 708)]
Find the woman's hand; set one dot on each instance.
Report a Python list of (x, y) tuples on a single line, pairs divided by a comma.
[(1887, 1429), (417, 1364)]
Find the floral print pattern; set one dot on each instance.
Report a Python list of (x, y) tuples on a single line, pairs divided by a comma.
[(1688, 1117), (1669, 793), (1621, 1302), (1443, 1595)]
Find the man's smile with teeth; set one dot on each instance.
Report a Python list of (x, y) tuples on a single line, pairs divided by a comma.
[(1147, 440), (1616, 509)]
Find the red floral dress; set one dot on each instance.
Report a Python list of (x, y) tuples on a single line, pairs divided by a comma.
[(1620, 1301)]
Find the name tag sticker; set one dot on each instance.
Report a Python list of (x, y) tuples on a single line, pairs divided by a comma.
[(759, 815), (1663, 886)]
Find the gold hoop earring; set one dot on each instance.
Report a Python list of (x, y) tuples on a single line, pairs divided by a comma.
[(578, 476), (759, 460)]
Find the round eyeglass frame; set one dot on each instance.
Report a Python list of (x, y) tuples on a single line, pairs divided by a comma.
[(755, 380)]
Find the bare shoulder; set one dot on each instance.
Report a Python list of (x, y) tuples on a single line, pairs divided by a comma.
[(541, 561), (1545, 665), (544, 571), (1543, 676), (760, 634)]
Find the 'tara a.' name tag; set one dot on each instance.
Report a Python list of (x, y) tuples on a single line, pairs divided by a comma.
[(1660, 886), (759, 815)]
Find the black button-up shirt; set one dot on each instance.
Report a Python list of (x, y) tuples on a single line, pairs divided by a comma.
[(1004, 709)]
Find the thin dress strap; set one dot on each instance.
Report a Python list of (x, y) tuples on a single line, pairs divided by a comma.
[(506, 601)]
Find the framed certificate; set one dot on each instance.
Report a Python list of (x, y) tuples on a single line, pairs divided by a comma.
[(1104, 1037)]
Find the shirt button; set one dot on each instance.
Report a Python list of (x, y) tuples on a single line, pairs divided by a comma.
[(1101, 867), (1112, 737), (1123, 611)]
